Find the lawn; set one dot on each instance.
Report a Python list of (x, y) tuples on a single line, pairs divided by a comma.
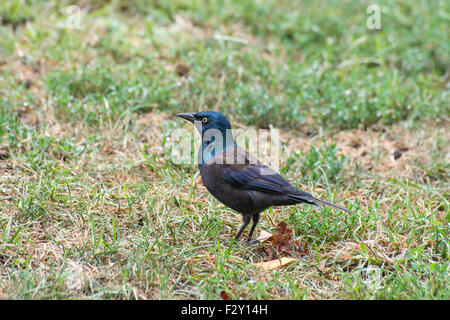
[(92, 205)]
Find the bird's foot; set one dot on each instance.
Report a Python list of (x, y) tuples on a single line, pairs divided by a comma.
[(251, 242)]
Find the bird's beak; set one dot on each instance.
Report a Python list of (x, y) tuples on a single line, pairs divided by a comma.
[(187, 116)]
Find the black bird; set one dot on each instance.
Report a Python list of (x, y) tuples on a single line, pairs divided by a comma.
[(237, 179)]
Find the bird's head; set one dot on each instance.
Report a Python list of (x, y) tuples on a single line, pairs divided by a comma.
[(214, 129), (206, 120)]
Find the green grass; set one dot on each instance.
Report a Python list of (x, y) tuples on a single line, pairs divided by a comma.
[(92, 207)]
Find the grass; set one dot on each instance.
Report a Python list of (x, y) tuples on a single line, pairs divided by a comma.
[(93, 207)]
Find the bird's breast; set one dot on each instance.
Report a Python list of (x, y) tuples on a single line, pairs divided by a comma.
[(236, 199)]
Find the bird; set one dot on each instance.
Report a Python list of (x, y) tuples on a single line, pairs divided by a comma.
[(236, 178)]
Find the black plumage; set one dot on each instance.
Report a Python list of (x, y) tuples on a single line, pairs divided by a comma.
[(237, 179)]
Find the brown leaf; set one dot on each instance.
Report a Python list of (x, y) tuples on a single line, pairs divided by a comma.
[(284, 243), (275, 264), (283, 235), (224, 295)]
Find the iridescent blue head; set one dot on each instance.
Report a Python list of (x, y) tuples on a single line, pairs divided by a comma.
[(206, 120), (215, 130)]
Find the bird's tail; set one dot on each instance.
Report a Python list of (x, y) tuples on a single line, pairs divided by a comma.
[(331, 205), (313, 201)]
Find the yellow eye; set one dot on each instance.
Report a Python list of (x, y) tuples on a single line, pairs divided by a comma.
[(205, 120)]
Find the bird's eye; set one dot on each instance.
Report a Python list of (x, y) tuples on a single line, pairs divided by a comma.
[(205, 120)]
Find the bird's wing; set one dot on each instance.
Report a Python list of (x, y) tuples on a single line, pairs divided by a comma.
[(251, 174), (257, 177)]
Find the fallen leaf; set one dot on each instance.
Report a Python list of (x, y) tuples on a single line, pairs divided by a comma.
[(284, 243), (283, 235), (274, 264), (224, 295), (264, 236)]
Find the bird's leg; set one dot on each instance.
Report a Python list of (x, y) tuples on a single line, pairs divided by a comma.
[(246, 219), (255, 218)]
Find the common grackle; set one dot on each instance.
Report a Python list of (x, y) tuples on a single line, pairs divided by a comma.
[(237, 179)]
